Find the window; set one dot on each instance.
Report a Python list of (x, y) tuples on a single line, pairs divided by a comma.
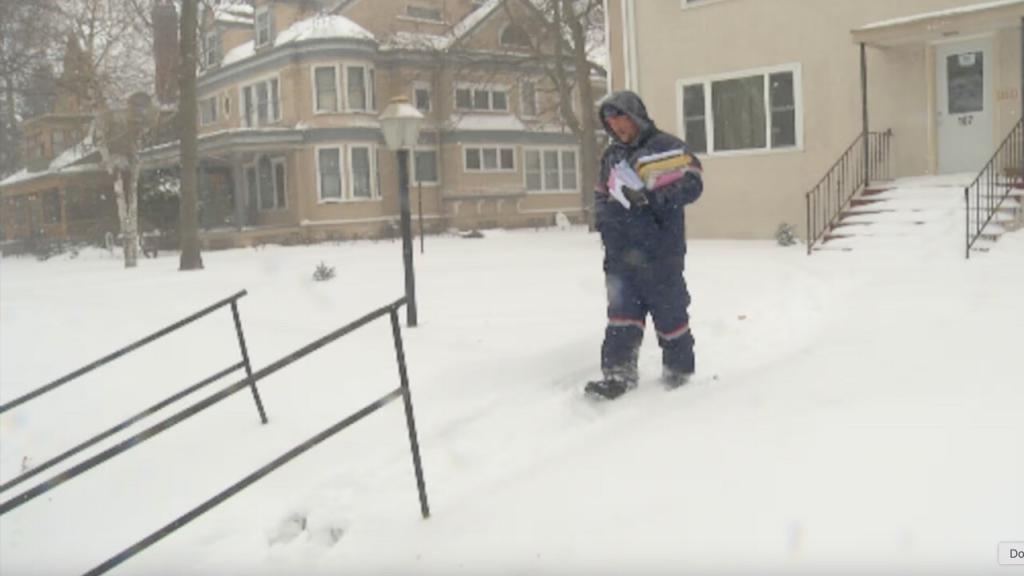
[(360, 91), (492, 159), (58, 141), (423, 13), (693, 117), (51, 207), (329, 169), (425, 166), (208, 110), (227, 106), (211, 49), (421, 97), (515, 36), (326, 89), (252, 187), (362, 172), (527, 98), (261, 102), (264, 26), (550, 170), (475, 98), (270, 183), (752, 111)]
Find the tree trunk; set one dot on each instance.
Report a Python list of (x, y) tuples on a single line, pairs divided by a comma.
[(188, 227), (129, 232)]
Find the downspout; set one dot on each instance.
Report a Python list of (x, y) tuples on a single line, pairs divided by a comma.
[(608, 41), (864, 109), (634, 73)]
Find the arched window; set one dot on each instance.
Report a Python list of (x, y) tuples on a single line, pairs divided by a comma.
[(514, 35)]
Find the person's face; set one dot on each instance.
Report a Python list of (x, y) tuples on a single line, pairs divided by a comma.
[(623, 126)]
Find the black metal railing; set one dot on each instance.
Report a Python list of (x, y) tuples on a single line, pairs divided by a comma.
[(402, 391), (853, 172), (231, 301), (1003, 173), (249, 381)]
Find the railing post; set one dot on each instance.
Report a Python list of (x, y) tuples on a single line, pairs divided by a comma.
[(864, 108), (810, 234), (245, 360), (967, 223), (414, 443)]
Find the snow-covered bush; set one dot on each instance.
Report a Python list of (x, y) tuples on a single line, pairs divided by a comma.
[(785, 235), (323, 272)]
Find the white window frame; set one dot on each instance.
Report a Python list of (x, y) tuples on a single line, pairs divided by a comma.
[(211, 58), (338, 102), (372, 159), (473, 89), (369, 79), (261, 11), (482, 169), (414, 180), (341, 174), (256, 115), (417, 86), (522, 100), (255, 167), (709, 119), (561, 172)]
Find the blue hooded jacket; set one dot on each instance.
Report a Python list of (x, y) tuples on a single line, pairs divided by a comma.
[(655, 233)]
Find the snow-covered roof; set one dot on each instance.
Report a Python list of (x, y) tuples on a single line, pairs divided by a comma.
[(319, 27), (958, 11), (234, 13), (65, 163), (323, 26), (467, 24), (416, 41), (485, 122)]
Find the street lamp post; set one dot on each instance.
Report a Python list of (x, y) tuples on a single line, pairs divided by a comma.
[(400, 122)]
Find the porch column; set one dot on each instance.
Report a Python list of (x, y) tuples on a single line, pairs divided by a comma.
[(864, 110), (238, 190), (1022, 67)]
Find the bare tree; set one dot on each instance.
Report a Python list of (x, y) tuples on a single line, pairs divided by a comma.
[(28, 37), (563, 36), (188, 228), (119, 136)]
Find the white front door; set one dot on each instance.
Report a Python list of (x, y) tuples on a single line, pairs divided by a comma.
[(964, 103)]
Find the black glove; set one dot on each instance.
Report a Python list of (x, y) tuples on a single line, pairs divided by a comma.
[(636, 197)]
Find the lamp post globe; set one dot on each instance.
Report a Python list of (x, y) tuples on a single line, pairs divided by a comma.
[(400, 123)]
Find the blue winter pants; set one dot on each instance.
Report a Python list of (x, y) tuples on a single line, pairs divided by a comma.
[(660, 290)]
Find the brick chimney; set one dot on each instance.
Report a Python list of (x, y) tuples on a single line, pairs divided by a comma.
[(165, 51)]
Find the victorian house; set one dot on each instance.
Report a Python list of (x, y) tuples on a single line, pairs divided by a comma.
[(290, 144)]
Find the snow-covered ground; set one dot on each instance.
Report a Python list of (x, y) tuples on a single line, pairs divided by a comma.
[(856, 412)]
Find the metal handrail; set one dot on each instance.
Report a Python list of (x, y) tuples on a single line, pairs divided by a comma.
[(989, 190), (402, 391), (121, 352), (231, 301), (250, 380), (851, 173)]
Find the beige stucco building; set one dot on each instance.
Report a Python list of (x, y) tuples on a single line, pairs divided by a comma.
[(771, 91)]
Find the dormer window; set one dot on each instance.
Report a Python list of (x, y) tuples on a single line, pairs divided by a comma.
[(264, 26), (515, 36), (423, 13), (211, 49)]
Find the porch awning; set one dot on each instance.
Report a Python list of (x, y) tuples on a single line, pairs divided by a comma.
[(937, 25)]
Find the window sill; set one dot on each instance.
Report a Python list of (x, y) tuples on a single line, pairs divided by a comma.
[(348, 200), (688, 6), (550, 192)]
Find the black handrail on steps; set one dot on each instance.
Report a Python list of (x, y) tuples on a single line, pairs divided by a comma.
[(402, 391), (244, 363), (1003, 173), (831, 195)]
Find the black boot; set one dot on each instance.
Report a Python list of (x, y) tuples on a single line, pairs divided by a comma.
[(609, 388)]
